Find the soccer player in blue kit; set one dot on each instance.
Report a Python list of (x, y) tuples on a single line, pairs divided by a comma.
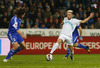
[(75, 41), (14, 34)]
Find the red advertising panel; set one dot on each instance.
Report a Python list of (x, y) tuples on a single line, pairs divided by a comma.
[(43, 45)]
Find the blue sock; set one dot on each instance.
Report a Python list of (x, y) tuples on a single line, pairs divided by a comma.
[(68, 52), (11, 52), (18, 49), (81, 46)]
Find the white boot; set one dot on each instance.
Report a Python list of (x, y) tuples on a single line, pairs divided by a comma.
[(5, 60)]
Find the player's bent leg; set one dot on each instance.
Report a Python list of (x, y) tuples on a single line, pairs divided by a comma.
[(68, 52), (59, 41), (82, 46), (75, 45), (11, 52), (21, 47)]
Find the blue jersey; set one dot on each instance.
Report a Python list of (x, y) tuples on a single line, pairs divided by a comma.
[(14, 25), (75, 34)]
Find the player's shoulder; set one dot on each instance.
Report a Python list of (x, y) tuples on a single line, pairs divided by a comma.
[(65, 19), (13, 18), (74, 19)]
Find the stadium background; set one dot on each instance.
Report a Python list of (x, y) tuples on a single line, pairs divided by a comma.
[(42, 24)]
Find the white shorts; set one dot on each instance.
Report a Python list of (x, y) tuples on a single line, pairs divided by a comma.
[(67, 39)]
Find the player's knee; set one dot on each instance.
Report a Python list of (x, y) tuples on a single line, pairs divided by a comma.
[(15, 45), (59, 41), (23, 46)]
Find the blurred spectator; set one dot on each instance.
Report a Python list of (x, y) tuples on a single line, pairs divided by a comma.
[(27, 23), (91, 23), (32, 16), (43, 3), (2, 7), (61, 17), (24, 5), (39, 5), (88, 11), (52, 26), (57, 24), (5, 23), (39, 16), (43, 26), (46, 22), (22, 23), (67, 3), (80, 12), (74, 2), (59, 3), (5, 14), (36, 26), (27, 12), (51, 17), (52, 7), (9, 11), (96, 17), (46, 6), (77, 16), (80, 5), (56, 14), (84, 25), (50, 23), (97, 24), (33, 7), (37, 22), (47, 13), (73, 7)]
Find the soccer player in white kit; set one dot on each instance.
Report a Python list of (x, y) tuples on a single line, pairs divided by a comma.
[(69, 24)]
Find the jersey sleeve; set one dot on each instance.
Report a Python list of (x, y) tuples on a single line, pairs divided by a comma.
[(78, 26), (65, 19), (15, 24), (77, 22)]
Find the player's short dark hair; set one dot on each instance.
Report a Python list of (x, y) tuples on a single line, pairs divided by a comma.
[(19, 11)]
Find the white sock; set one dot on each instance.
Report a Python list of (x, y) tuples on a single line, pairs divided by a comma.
[(72, 53), (54, 47)]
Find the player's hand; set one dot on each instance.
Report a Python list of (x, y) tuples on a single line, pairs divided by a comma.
[(91, 15), (24, 37), (80, 38)]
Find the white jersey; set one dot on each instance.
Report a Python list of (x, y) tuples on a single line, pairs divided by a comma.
[(69, 26)]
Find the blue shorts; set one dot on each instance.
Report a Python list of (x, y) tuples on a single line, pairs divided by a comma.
[(75, 39), (15, 38)]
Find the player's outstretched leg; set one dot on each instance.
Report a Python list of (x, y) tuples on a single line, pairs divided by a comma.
[(18, 50), (68, 52), (15, 50), (85, 47), (56, 45), (21, 47), (11, 52)]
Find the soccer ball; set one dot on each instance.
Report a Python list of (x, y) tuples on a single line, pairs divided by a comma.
[(49, 57)]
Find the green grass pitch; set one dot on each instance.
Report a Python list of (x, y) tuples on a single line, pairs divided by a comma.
[(39, 61)]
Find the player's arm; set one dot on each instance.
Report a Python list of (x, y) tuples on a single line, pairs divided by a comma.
[(20, 33), (80, 29), (16, 27), (85, 20)]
